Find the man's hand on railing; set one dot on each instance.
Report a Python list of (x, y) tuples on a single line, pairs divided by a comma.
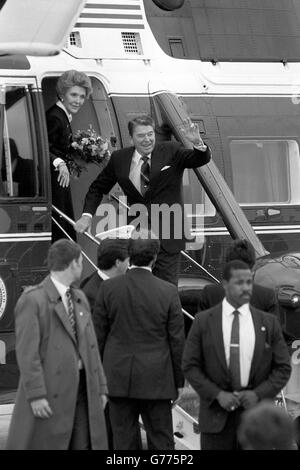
[(83, 224)]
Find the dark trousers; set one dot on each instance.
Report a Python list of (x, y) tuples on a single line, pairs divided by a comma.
[(108, 428), (62, 199), (80, 439), (225, 439), (157, 419), (167, 266)]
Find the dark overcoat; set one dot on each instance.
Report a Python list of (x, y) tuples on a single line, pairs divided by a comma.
[(47, 355)]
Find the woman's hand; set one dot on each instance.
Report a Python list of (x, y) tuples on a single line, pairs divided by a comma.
[(63, 175)]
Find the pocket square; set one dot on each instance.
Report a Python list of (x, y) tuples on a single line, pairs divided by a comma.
[(165, 167)]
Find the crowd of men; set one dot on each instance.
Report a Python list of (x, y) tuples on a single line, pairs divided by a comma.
[(234, 355)]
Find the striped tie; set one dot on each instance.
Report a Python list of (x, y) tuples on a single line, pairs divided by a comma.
[(70, 310), (145, 174), (234, 359)]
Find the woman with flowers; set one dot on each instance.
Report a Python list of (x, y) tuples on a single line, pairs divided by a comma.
[(72, 88)]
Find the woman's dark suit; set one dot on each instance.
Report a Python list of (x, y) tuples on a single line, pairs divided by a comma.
[(60, 137)]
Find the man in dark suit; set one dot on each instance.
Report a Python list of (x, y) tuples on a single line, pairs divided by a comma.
[(262, 297), (112, 260), (150, 174), (139, 326), (234, 356)]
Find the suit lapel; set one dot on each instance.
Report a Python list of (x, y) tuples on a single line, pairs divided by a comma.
[(63, 316), (260, 339), (157, 161), (215, 325), (81, 315)]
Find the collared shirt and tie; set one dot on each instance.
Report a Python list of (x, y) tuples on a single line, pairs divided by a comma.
[(135, 176), (246, 337), (65, 294)]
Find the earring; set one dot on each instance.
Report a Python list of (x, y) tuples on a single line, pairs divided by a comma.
[(62, 100)]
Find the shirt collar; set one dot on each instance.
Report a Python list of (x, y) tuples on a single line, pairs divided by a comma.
[(62, 106), (62, 288), (137, 157), (228, 309), (102, 275), (140, 267)]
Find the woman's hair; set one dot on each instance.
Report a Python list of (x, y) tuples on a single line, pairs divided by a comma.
[(73, 78)]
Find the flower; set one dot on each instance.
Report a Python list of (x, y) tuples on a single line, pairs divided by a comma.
[(87, 147)]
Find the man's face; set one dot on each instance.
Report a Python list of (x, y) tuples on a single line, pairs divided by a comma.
[(143, 138), (239, 287)]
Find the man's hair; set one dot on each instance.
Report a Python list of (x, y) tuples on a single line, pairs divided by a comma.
[(233, 266), (110, 250), (266, 427), (143, 120), (143, 249), (242, 250), (61, 254)]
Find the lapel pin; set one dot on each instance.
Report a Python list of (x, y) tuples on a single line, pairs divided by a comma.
[(263, 328), (80, 313)]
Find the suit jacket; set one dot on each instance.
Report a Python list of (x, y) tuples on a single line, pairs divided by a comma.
[(204, 363), (262, 298), (139, 326), (47, 354), (164, 187), (59, 132), (60, 138), (90, 286)]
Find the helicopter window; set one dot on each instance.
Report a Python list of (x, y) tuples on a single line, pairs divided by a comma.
[(265, 171), (18, 171)]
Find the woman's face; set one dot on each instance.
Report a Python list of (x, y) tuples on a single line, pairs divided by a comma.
[(74, 98)]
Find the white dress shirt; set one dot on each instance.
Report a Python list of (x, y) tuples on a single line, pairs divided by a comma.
[(62, 289), (135, 169), (147, 268), (102, 275), (247, 337)]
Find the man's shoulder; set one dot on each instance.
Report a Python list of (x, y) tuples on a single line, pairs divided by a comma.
[(267, 317), (213, 288), (31, 289), (167, 145), (204, 315), (93, 280), (32, 293), (121, 152)]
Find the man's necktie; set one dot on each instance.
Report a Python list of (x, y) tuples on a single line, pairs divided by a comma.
[(70, 310), (234, 359), (145, 174)]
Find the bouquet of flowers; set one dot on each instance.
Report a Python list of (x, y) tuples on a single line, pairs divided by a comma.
[(87, 147)]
